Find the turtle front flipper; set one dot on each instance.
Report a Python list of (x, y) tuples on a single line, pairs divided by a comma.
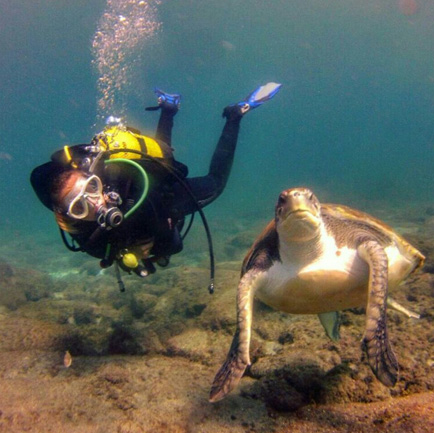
[(376, 342), (238, 358)]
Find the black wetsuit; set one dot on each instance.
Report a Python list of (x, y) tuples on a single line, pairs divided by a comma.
[(161, 216)]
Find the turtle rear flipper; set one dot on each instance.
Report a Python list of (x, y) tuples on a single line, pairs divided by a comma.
[(376, 342), (331, 323), (398, 307), (238, 357)]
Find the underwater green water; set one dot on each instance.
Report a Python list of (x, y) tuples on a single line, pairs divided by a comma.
[(353, 120)]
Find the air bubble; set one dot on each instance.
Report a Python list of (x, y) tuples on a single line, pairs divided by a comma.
[(121, 34)]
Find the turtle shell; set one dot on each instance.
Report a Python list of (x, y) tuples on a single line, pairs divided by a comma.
[(346, 223)]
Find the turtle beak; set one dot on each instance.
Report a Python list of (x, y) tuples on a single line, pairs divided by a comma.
[(297, 214), (296, 201)]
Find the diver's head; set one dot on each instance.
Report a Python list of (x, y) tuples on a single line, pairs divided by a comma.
[(78, 196)]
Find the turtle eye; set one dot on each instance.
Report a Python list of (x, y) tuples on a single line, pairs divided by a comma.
[(281, 200), (280, 204)]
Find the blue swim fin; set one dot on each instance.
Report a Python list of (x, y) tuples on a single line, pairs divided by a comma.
[(166, 100), (259, 96)]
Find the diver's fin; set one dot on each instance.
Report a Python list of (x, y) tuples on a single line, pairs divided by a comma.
[(168, 99), (330, 322), (259, 96), (262, 94)]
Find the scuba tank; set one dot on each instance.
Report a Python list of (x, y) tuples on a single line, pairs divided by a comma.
[(118, 142), (116, 138), (117, 155)]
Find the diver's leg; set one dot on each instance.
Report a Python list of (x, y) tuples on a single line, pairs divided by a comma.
[(165, 125), (207, 188), (169, 105), (223, 157)]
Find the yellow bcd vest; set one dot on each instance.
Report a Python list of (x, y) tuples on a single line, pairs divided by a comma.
[(115, 138)]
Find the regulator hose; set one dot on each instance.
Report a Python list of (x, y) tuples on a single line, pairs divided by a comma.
[(145, 181), (191, 194)]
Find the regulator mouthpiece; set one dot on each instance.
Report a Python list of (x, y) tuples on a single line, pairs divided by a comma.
[(110, 218)]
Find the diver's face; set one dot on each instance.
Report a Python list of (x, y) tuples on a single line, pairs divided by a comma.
[(85, 197)]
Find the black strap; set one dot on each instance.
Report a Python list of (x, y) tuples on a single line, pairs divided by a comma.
[(71, 247)]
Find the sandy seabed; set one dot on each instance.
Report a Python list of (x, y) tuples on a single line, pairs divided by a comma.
[(144, 360)]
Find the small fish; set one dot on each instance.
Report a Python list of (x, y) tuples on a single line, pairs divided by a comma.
[(5, 156), (67, 359), (228, 46)]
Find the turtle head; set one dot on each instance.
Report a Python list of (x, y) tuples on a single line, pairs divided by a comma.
[(298, 215)]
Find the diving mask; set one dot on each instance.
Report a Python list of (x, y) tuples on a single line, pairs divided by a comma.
[(91, 194)]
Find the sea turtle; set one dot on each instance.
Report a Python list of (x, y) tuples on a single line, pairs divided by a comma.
[(319, 259)]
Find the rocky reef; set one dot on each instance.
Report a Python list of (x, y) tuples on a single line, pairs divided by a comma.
[(144, 360)]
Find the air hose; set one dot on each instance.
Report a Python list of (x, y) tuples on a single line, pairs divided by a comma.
[(143, 197), (190, 193), (145, 182), (132, 210)]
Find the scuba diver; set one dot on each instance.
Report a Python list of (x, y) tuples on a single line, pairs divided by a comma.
[(123, 198)]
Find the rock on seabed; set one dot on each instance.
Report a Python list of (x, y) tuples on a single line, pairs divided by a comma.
[(144, 360)]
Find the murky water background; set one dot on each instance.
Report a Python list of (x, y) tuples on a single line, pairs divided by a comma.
[(353, 120)]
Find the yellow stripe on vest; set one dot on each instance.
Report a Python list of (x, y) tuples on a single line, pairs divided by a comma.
[(153, 148), (69, 157)]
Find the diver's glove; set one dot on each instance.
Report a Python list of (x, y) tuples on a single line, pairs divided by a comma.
[(253, 100), (166, 101)]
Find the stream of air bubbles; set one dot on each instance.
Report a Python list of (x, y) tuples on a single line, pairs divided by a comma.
[(118, 46)]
